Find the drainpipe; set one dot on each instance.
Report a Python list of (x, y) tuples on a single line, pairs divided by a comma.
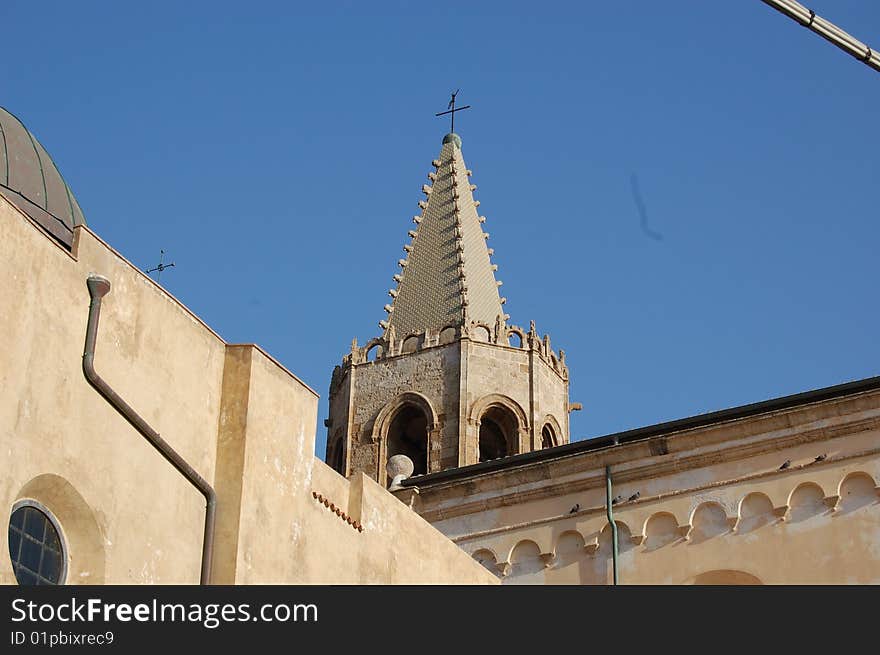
[(98, 288), (611, 522)]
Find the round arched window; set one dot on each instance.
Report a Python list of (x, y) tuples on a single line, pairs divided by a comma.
[(35, 545)]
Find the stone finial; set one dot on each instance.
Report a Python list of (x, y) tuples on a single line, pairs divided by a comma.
[(399, 468), (499, 329)]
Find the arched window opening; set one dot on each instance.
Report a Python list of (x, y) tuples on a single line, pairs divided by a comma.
[(492, 442), (408, 435), (548, 439), (498, 434), (447, 335), (336, 456), (481, 333), (35, 546), (515, 339), (374, 353)]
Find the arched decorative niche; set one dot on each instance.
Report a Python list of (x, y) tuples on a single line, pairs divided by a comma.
[(661, 529), (624, 538), (755, 510), (76, 521), (525, 563), (707, 521), (570, 545), (856, 490), (806, 500), (487, 559)]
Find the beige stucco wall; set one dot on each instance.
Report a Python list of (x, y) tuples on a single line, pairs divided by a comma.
[(245, 424), (714, 505)]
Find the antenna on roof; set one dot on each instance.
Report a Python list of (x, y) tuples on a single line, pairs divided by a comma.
[(161, 267)]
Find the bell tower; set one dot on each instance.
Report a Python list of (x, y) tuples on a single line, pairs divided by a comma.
[(449, 382)]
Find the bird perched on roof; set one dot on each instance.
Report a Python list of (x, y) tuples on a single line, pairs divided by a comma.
[(616, 500), (785, 465), (635, 496), (821, 458), (576, 507)]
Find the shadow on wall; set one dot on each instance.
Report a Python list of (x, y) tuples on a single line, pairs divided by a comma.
[(724, 577)]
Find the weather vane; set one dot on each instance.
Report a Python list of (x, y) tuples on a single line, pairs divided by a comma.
[(452, 109), (161, 267)]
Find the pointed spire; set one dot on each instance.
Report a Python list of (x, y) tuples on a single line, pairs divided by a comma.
[(447, 277)]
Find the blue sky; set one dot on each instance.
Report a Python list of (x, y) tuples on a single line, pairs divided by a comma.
[(683, 195)]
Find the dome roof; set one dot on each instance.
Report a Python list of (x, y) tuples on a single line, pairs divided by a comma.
[(30, 180)]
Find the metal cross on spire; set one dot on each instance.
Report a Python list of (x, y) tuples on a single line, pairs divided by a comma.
[(452, 109), (161, 267)]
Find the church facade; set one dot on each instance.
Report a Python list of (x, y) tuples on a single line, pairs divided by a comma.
[(782, 491), (140, 447)]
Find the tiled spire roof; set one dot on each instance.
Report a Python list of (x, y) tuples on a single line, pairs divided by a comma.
[(446, 277)]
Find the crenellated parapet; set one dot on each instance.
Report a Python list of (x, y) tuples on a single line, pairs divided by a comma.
[(499, 334)]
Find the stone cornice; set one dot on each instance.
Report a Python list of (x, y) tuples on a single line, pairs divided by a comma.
[(600, 509), (744, 447)]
